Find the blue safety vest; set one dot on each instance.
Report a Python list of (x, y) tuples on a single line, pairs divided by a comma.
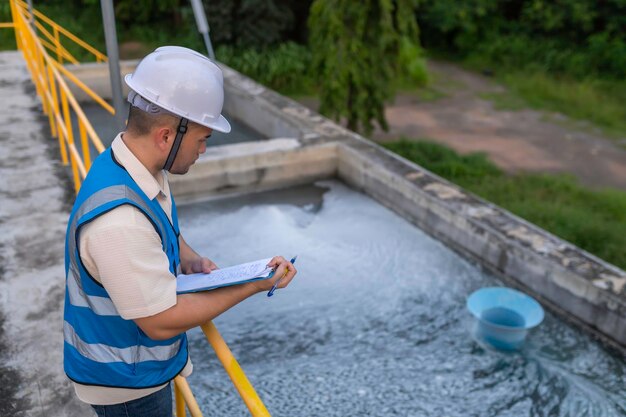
[(102, 348)]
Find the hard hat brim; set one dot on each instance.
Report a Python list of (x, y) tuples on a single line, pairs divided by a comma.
[(221, 125)]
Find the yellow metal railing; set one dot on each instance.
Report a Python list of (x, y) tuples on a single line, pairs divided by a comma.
[(58, 103), (53, 44), (57, 100), (55, 35)]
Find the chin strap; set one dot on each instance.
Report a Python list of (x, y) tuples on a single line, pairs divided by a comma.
[(180, 132)]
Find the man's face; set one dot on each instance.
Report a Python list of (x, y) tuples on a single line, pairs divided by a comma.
[(192, 146)]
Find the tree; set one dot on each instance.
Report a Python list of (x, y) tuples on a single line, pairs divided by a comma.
[(358, 48)]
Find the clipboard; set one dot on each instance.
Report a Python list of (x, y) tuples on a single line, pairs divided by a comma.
[(232, 275)]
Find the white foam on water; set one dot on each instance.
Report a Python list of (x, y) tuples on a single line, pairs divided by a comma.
[(375, 323)]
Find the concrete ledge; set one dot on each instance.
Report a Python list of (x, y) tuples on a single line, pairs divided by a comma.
[(572, 282), (255, 166)]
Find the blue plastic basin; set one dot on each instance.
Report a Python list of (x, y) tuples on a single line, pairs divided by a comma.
[(504, 316)]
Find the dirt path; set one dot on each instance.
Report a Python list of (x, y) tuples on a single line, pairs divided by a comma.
[(515, 140), (526, 140)]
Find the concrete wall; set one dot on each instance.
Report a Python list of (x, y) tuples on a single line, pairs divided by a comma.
[(255, 166), (96, 76), (307, 146)]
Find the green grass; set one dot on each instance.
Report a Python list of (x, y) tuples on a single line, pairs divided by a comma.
[(505, 101), (426, 93), (594, 220), (600, 102)]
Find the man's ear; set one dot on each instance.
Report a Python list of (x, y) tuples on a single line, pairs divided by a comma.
[(163, 137)]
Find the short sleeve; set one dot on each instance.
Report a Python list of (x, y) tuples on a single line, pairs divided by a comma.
[(122, 250)]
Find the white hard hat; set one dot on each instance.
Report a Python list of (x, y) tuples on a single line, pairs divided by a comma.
[(183, 82)]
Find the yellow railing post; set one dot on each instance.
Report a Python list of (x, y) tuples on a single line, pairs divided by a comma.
[(234, 371), (61, 129), (15, 25), (54, 109), (58, 124), (43, 79), (84, 143), (69, 137), (189, 400), (180, 401), (57, 43), (28, 52)]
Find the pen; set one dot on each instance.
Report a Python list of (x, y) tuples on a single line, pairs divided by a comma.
[(271, 292)]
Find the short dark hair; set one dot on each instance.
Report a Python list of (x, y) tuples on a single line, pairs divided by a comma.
[(141, 123)]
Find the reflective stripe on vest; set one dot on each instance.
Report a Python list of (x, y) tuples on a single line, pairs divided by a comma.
[(99, 352), (102, 306)]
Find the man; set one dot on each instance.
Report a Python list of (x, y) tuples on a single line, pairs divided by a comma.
[(124, 325)]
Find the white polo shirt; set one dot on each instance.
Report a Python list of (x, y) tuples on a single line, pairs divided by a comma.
[(122, 250)]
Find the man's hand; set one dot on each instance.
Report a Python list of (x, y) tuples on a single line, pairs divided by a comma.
[(284, 270), (200, 264), (191, 262)]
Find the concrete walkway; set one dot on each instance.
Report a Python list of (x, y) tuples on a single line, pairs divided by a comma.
[(35, 196)]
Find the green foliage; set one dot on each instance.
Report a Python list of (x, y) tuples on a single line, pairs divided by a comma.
[(581, 38), (411, 62), (251, 23), (594, 220), (598, 56), (355, 47), (128, 13), (285, 67), (72, 16), (85, 22), (245, 23), (7, 35)]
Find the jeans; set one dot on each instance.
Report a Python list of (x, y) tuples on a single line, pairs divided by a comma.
[(157, 404)]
